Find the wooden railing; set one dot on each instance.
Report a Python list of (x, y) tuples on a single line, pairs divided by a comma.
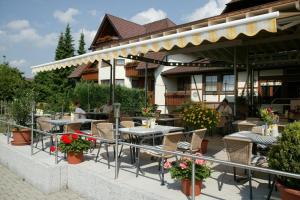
[(133, 72), (177, 98)]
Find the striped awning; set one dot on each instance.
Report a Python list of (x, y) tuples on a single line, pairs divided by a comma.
[(230, 30)]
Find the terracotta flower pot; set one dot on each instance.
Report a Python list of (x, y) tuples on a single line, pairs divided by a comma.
[(21, 137), (186, 187), (288, 193), (204, 145), (74, 158)]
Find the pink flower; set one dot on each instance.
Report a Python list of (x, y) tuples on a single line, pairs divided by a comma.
[(183, 165), (167, 165), (200, 162)]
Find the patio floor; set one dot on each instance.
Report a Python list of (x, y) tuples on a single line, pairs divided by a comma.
[(219, 186)]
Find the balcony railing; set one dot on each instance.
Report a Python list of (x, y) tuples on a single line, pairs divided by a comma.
[(177, 98), (131, 71)]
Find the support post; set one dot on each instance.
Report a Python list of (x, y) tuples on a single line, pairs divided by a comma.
[(32, 126), (8, 132), (117, 116), (113, 80), (235, 80), (252, 90), (56, 151), (197, 88), (146, 84), (193, 179)]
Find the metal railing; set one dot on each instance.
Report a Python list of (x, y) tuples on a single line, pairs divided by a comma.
[(176, 153)]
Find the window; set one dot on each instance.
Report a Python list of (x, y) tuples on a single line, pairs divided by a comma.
[(211, 83), (228, 83), (120, 62), (183, 83), (120, 82), (107, 81)]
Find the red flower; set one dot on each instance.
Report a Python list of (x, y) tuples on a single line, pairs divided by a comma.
[(78, 131), (52, 148), (269, 109), (74, 136), (66, 139), (91, 139)]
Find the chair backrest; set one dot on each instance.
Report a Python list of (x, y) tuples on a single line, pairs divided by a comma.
[(72, 127), (245, 127), (66, 117), (198, 136), (170, 141), (238, 150), (94, 123), (43, 124), (127, 124), (106, 130)]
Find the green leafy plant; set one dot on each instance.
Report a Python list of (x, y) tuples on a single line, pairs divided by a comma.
[(198, 116), (74, 143), (182, 169), (149, 111), (21, 107), (285, 156)]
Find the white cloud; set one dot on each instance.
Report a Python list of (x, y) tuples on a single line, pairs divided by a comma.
[(88, 37), (66, 16), (21, 31), (17, 63), (148, 16), (93, 12), (211, 8), (18, 24)]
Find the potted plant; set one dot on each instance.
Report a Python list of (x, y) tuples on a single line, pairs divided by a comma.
[(20, 110), (73, 145), (149, 112), (198, 116), (285, 156), (182, 170), (270, 119)]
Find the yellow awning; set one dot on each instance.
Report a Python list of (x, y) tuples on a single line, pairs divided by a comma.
[(230, 30)]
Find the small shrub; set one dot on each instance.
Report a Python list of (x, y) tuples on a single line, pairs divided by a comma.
[(285, 156)]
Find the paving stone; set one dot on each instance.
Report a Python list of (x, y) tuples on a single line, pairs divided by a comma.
[(13, 187)]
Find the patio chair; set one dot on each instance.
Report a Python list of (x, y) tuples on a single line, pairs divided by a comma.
[(169, 144), (45, 126), (72, 127), (127, 137), (94, 130), (245, 127), (106, 133), (195, 144), (239, 150)]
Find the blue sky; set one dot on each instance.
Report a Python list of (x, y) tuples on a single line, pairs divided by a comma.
[(29, 29)]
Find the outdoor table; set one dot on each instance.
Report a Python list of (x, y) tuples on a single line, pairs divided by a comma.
[(62, 122), (167, 121), (255, 138), (141, 132)]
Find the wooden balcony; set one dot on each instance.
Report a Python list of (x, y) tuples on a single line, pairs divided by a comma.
[(133, 72), (177, 98)]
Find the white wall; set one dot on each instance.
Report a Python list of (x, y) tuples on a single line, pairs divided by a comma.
[(163, 84)]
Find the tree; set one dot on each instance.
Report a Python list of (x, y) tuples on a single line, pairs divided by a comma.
[(68, 45), (11, 81), (59, 52), (81, 50)]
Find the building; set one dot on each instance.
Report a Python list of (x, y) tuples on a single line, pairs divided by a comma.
[(250, 50)]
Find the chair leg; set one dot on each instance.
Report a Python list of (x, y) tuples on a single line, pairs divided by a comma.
[(162, 171), (137, 161), (43, 148), (234, 173), (250, 184), (272, 187), (98, 151), (107, 154), (114, 152), (159, 164), (121, 151)]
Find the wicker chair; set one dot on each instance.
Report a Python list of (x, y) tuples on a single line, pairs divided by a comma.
[(169, 144), (72, 127), (239, 150), (195, 144), (106, 133), (127, 137), (45, 126)]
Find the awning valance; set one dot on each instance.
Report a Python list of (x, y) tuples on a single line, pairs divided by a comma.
[(230, 30)]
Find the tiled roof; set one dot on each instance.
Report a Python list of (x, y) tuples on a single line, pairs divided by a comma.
[(152, 55), (127, 29), (76, 73), (235, 5)]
